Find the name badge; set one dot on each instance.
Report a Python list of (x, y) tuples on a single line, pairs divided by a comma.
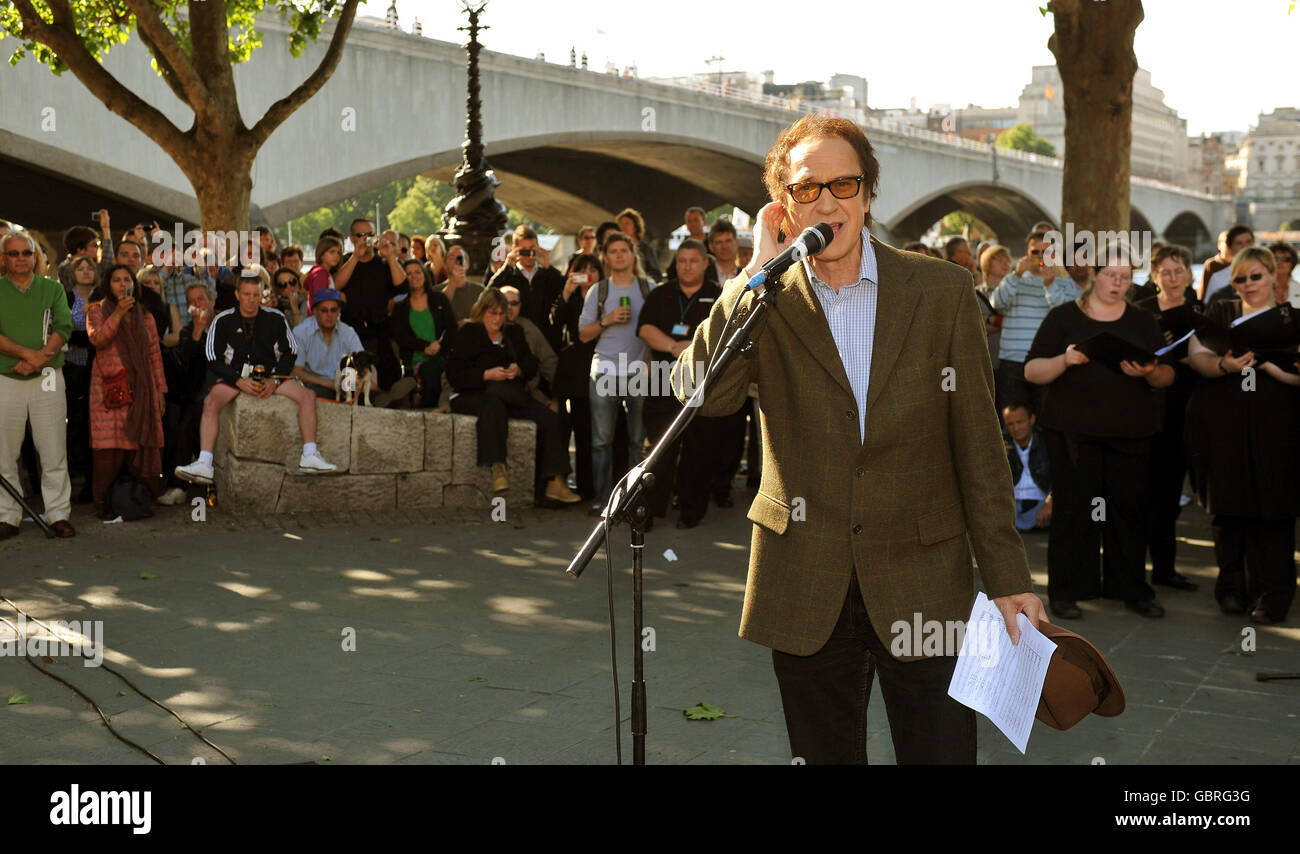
[(681, 329)]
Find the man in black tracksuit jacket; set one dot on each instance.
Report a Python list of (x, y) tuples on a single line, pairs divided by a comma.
[(239, 341)]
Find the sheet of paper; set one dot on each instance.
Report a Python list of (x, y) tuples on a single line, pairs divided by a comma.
[(1001, 681)]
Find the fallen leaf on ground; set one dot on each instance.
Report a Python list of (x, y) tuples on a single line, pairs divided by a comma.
[(15, 699), (147, 576), (705, 712)]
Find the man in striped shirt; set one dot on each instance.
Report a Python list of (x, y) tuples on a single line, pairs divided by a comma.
[(1023, 298)]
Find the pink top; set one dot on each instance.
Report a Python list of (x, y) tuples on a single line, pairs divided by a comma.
[(317, 279)]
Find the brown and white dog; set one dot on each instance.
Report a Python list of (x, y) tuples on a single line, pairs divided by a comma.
[(356, 376)]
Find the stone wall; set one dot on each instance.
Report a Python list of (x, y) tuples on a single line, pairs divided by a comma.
[(386, 458)]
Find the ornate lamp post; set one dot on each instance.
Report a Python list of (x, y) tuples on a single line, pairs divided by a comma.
[(474, 217)]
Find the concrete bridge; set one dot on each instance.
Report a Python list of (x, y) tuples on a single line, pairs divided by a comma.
[(570, 146)]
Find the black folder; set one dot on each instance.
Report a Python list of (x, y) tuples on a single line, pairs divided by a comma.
[(1109, 350), (1271, 335)]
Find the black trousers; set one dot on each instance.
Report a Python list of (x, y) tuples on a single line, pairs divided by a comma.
[(1256, 560), (429, 372), (1167, 469), (493, 428), (76, 380), (1098, 501), (825, 697), (730, 447), (688, 466)]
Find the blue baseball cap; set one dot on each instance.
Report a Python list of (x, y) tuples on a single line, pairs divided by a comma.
[(325, 295)]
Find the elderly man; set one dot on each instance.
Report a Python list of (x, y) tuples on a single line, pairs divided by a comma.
[(881, 466), (323, 340), (239, 341), (548, 360), (34, 322)]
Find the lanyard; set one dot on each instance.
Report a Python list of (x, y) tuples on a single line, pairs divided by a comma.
[(687, 307)]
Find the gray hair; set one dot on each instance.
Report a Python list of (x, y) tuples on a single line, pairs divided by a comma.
[(202, 286), (19, 234)]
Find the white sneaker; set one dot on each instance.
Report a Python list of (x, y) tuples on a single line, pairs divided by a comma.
[(195, 472), (175, 495), (314, 464)]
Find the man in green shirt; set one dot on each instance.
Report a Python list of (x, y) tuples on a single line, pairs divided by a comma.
[(35, 321)]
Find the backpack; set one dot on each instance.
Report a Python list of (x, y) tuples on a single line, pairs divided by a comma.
[(602, 292), (130, 499)]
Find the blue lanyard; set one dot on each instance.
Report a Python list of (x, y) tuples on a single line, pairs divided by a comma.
[(687, 307)]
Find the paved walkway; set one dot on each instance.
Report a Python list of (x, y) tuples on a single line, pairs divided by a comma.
[(472, 644)]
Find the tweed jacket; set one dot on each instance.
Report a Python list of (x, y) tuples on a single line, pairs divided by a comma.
[(904, 507)]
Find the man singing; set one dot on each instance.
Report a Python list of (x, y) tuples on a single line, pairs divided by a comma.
[(875, 388)]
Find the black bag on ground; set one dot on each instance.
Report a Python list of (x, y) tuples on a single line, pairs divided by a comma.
[(130, 499)]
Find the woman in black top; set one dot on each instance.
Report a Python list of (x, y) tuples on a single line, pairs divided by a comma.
[(489, 366), (424, 357), (1098, 424), (1171, 270), (1242, 429), (571, 384)]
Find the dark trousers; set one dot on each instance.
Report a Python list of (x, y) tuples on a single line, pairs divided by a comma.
[(575, 420), (730, 447), (493, 427), (77, 385), (687, 466), (825, 697), (380, 346), (1012, 387), (1165, 491), (1115, 471), (429, 373), (1256, 560)]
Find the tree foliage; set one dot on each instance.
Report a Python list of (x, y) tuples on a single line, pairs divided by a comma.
[(1021, 137)]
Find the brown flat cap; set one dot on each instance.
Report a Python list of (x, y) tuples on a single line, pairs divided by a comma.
[(1078, 681)]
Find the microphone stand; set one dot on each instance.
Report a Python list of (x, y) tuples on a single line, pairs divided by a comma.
[(627, 504)]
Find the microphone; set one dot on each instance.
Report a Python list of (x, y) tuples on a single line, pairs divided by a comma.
[(812, 241)]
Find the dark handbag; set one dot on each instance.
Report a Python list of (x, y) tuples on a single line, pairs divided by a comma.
[(117, 392), (130, 499)]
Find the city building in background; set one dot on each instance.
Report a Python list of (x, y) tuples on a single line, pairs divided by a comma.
[(1159, 148), (1268, 183)]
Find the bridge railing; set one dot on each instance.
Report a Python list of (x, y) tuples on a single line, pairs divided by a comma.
[(911, 131)]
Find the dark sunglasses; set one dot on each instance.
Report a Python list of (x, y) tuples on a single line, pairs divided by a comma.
[(367, 234), (810, 191), (20, 253), (1035, 252), (324, 310), (1254, 277)]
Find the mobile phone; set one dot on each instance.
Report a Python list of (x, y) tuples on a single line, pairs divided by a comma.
[(129, 290), (94, 217), (526, 253), (582, 278)]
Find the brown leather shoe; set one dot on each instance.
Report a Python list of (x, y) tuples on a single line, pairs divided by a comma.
[(63, 528), (7, 530)]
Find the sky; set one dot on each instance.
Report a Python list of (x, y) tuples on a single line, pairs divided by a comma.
[(937, 51)]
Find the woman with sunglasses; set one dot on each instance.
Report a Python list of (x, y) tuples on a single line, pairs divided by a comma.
[(423, 326), (1242, 425), (1171, 271), (127, 389), (489, 367), (1098, 422), (1287, 289), (290, 299)]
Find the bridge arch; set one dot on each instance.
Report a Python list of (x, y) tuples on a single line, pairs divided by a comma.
[(1188, 229), (1010, 212)]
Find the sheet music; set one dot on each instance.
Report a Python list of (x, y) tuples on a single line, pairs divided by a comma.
[(1001, 681)]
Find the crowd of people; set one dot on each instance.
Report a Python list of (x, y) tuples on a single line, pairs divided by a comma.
[(1100, 447), (146, 350), (144, 357)]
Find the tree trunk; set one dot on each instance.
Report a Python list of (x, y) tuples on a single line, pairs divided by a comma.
[(1093, 45), (220, 171)]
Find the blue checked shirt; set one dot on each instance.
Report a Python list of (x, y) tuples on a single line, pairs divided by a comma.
[(851, 314)]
